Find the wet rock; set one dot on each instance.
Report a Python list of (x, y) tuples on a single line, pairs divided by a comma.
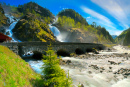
[(125, 72), (114, 63), (63, 62), (90, 72), (94, 67), (82, 85), (102, 68), (101, 71), (68, 62), (109, 50), (110, 67)]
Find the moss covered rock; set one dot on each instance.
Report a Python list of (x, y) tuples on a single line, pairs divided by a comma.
[(33, 28)]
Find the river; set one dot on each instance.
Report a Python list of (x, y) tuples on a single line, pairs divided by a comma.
[(79, 69)]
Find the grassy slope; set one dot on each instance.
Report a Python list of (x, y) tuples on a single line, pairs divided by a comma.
[(15, 72)]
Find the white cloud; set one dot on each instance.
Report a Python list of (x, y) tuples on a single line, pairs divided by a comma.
[(88, 17), (64, 8), (118, 32), (119, 9), (100, 19), (115, 32), (95, 14)]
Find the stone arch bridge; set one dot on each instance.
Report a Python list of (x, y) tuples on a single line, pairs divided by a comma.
[(21, 48)]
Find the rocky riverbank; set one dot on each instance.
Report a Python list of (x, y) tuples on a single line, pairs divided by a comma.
[(109, 68)]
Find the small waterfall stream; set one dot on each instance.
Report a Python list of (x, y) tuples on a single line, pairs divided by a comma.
[(12, 21)]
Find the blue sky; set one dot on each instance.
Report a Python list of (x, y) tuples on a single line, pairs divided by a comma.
[(112, 14)]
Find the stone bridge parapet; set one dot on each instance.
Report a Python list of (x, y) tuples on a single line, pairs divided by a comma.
[(24, 47)]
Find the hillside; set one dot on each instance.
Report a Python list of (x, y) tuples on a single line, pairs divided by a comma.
[(32, 28), (120, 39), (34, 20), (74, 15), (3, 20), (11, 10), (77, 29), (15, 72), (33, 7), (33, 24), (126, 41)]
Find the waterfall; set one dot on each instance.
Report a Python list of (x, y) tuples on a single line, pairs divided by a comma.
[(12, 21), (56, 32)]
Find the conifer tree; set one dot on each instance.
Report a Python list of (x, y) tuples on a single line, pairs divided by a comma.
[(54, 76)]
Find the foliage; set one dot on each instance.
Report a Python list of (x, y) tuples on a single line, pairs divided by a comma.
[(91, 33), (122, 36), (54, 76), (3, 19), (15, 72), (74, 15), (126, 41), (32, 28), (33, 7), (12, 10)]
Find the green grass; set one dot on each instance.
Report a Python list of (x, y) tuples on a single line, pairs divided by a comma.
[(15, 72)]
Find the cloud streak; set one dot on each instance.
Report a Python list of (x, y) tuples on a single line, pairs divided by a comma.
[(118, 9), (95, 14), (101, 19)]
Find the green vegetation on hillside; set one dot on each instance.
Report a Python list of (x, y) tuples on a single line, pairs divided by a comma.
[(54, 76), (15, 72), (123, 38), (70, 21), (33, 28), (33, 7), (3, 19), (126, 41), (33, 25), (74, 15), (12, 10)]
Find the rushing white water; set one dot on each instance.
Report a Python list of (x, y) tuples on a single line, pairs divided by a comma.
[(80, 74), (11, 18), (12, 22), (36, 65), (10, 29)]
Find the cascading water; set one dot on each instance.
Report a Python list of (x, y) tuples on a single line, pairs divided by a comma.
[(56, 32), (12, 21)]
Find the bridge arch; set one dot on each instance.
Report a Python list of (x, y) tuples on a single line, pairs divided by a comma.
[(63, 52), (79, 51)]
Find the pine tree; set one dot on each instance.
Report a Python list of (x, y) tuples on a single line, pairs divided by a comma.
[(54, 76)]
